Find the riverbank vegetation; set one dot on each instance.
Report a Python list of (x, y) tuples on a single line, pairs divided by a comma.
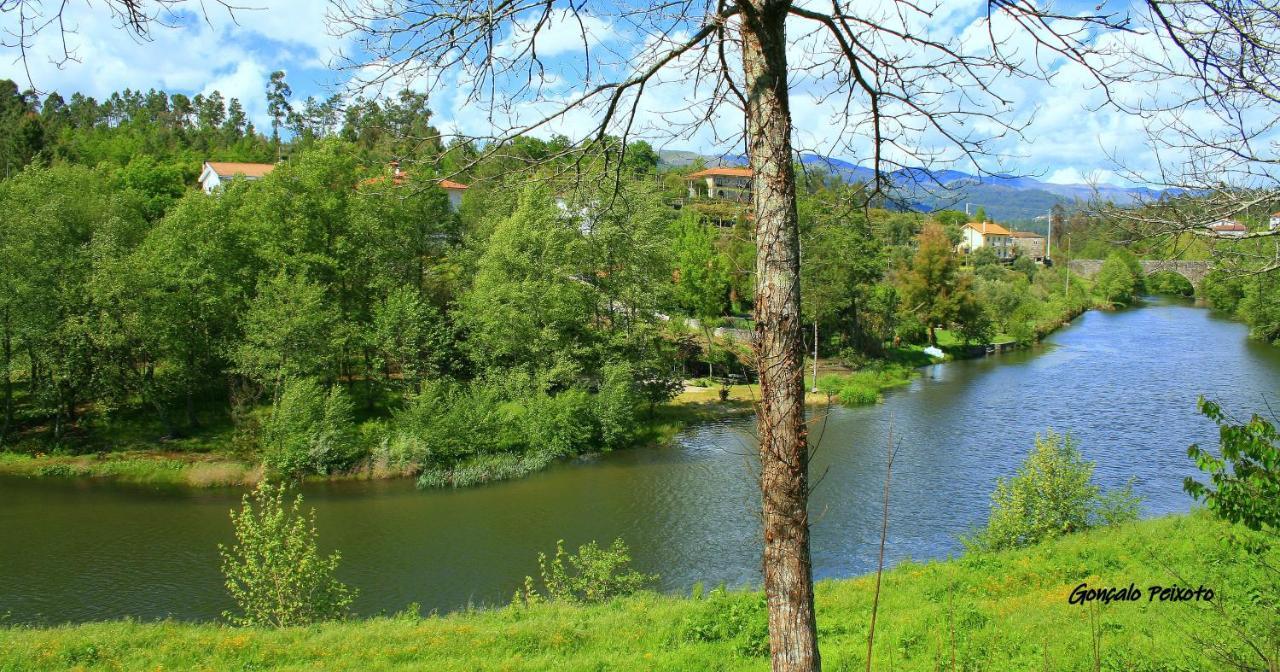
[(340, 318), (1003, 610)]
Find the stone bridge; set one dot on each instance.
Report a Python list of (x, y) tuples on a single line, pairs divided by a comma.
[(1194, 271)]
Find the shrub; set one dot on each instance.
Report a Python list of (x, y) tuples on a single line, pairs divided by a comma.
[(593, 575), (561, 425), (858, 394), (1051, 495), (863, 387), (274, 571), (446, 423), (309, 430), (616, 406)]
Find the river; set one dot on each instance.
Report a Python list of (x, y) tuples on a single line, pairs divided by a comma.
[(1124, 383)]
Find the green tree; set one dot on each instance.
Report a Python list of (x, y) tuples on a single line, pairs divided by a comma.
[(841, 258), (617, 403), (287, 331), (274, 570), (1260, 307), (1052, 494), (702, 277), (196, 276), (410, 337), (929, 284), (530, 305), (1119, 281), (278, 93)]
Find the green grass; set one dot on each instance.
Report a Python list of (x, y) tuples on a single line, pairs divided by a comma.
[(1009, 611), (865, 386), (134, 466)]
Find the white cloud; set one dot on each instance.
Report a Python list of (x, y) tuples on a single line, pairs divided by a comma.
[(1072, 135), (233, 53)]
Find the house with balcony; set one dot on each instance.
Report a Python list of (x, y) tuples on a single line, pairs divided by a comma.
[(730, 184), (975, 235)]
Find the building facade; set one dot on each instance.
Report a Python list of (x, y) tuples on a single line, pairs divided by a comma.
[(1028, 244), (977, 235), (732, 184)]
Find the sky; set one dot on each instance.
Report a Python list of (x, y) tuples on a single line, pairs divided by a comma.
[(1066, 141)]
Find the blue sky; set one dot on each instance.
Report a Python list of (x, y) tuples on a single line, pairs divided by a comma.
[(1066, 142)]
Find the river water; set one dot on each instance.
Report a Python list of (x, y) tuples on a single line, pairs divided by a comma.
[(1125, 384)]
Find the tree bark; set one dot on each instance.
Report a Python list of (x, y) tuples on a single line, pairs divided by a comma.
[(784, 454)]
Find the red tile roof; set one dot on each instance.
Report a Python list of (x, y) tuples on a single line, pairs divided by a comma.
[(1025, 234), (722, 172), (230, 168), (399, 178), (1228, 226)]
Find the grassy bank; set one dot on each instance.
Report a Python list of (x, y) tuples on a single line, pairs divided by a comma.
[(209, 460), (1006, 611), (152, 467)]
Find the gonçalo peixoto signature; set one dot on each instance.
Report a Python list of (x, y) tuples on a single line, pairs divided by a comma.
[(1083, 594)]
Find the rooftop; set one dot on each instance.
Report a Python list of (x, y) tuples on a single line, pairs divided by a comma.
[(398, 178), (1025, 234), (988, 228), (229, 168), (722, 172)]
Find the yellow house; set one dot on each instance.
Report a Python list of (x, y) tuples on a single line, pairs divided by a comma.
[(987, 234)]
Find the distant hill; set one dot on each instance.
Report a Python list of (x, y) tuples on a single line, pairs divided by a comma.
[(1006, 198)]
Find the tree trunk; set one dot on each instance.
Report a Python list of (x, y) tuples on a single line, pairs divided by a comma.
[(784, 454)]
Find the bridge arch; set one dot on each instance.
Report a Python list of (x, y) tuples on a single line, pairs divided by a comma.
[(1193, 271)]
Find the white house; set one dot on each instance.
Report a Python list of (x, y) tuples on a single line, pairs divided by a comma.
[(1229, 228), (217, 173), (455, 190), (1275, 221), (987, 234)]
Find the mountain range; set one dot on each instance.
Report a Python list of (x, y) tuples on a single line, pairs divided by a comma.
[(1005, 198)]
